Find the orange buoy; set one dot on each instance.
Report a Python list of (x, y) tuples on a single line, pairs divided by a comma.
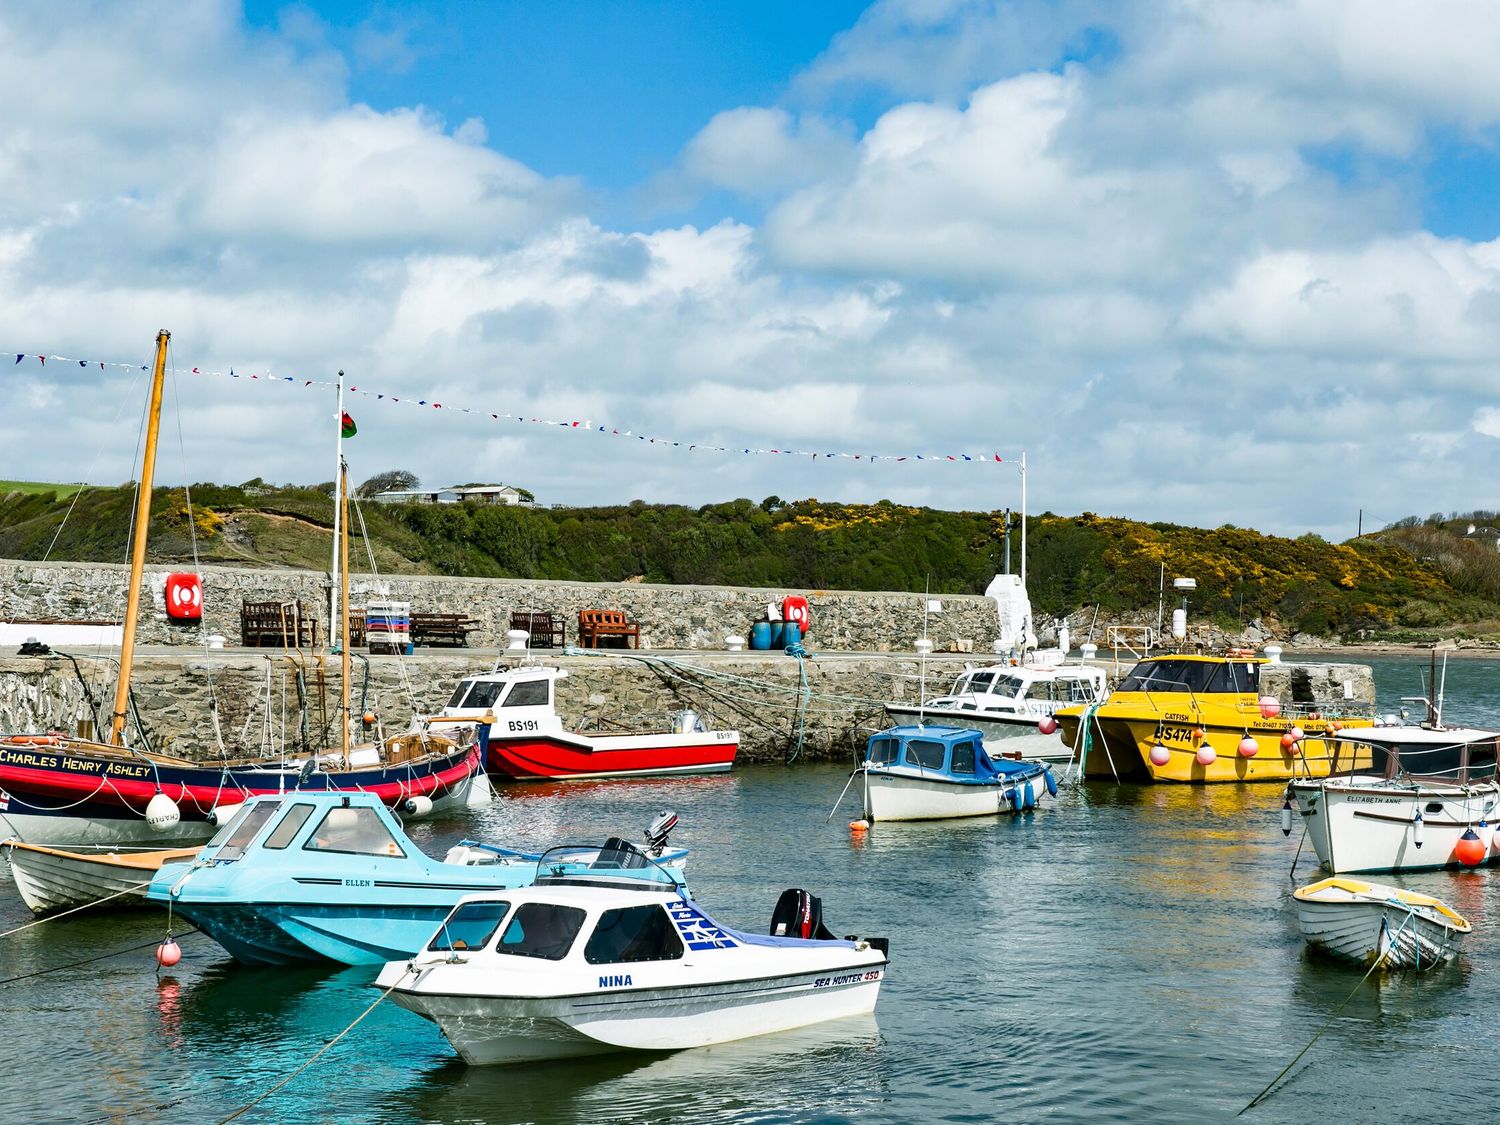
[(858, 826), (1048, 725), (369, 717), (168, 953), (1470, 849)]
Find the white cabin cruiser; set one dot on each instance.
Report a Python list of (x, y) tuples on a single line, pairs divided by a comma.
[(1428, 799), (584, 965), (1003, 701)]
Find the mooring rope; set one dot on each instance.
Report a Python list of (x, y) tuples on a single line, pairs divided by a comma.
[(76, 909), (90, 960), (1377, 963)]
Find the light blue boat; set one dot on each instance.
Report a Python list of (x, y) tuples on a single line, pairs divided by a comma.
[(315, 876)]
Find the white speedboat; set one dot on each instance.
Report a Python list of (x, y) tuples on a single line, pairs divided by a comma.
[(1005, 701), (579, 966), (1428, 799), (51, 879), (1366, 922), (938, 773)]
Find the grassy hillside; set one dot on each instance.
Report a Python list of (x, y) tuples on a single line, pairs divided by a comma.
[(1407, 581)]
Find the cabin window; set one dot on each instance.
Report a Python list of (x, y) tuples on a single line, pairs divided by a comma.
[(353, 831), (977, 682), (226, 830), (541, 929), (964, 754), (246, 827), (1009, 686), (527, 693), (633, 933), (469, 927), (1438, 761), (484, 694), (1040, 689), (884, 751), (290, 825), (927, 755), (1481, 760), (1197, 676), (459, 692)]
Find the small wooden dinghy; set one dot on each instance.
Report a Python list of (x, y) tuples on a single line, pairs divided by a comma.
[(52, 879), (1370, 922)]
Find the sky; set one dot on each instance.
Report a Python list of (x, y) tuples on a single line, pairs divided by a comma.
[(1200, 262)]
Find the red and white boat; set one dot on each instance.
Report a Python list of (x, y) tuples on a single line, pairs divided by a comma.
[(525, 739)]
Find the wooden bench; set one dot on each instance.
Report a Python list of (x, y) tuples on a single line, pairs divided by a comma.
[(277, 625), (545, 630), (596, 623), (441, 628)]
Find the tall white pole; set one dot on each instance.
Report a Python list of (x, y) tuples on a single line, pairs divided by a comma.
[(1023, 520), (338, 514)]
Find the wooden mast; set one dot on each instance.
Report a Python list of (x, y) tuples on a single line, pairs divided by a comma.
[(138, 546), (344, 602)]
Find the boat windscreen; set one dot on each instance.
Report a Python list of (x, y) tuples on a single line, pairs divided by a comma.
[(541, 929), (925, 753), (527, 693), (459, 692), (883, 751), (976, 682), (469, 927), (484, 694), (245, 827), (353, 831), (229, 826), (1198, 676), (290, 825)]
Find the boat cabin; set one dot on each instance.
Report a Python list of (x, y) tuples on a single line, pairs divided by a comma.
[(493, 691), (344, 824), (983, 688), (1196, 674), (1458, 756), (954, 751)]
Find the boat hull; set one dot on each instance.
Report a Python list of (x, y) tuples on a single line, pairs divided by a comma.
[(53, 794), (1400, 936), (1121, 744), (504, 1030), (299, 933), (51, 879), (1371, 826), (553, 757), (904, 795)]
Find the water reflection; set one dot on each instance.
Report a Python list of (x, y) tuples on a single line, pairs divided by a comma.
[(834, 1068)]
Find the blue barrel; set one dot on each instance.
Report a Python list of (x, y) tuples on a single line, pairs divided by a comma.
[(791, 634), (778, 633), (760, 635)]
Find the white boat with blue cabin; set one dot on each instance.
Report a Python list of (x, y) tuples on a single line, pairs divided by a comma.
[(331, 876), (579, 965), (938, 772)]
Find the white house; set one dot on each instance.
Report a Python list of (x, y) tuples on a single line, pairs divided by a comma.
[(472, 494)]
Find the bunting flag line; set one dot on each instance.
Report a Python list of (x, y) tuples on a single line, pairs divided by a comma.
[(582, 425)]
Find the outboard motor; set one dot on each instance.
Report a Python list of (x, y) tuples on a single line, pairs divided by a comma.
[(658, 831), (618, 854), (799, 914)]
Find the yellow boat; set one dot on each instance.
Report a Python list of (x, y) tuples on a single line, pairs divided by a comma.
[(1200, 719)]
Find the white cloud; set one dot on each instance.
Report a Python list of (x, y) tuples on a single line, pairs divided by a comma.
[(1130, 265)]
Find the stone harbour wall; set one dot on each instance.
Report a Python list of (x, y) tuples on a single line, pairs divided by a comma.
[(258, 700), (670, 617)]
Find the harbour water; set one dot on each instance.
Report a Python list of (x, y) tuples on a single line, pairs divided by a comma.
[(1126, 953)]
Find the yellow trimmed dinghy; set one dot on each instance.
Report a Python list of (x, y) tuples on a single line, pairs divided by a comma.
[(1369, 922)]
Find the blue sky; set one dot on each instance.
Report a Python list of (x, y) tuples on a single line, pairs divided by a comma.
[(1211, 261)]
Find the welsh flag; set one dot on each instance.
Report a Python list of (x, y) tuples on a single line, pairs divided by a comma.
[(349, 428)]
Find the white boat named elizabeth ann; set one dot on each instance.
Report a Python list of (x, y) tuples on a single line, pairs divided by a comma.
[(1428, 798), (1370, 922), (580, 966), (937, 772)]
